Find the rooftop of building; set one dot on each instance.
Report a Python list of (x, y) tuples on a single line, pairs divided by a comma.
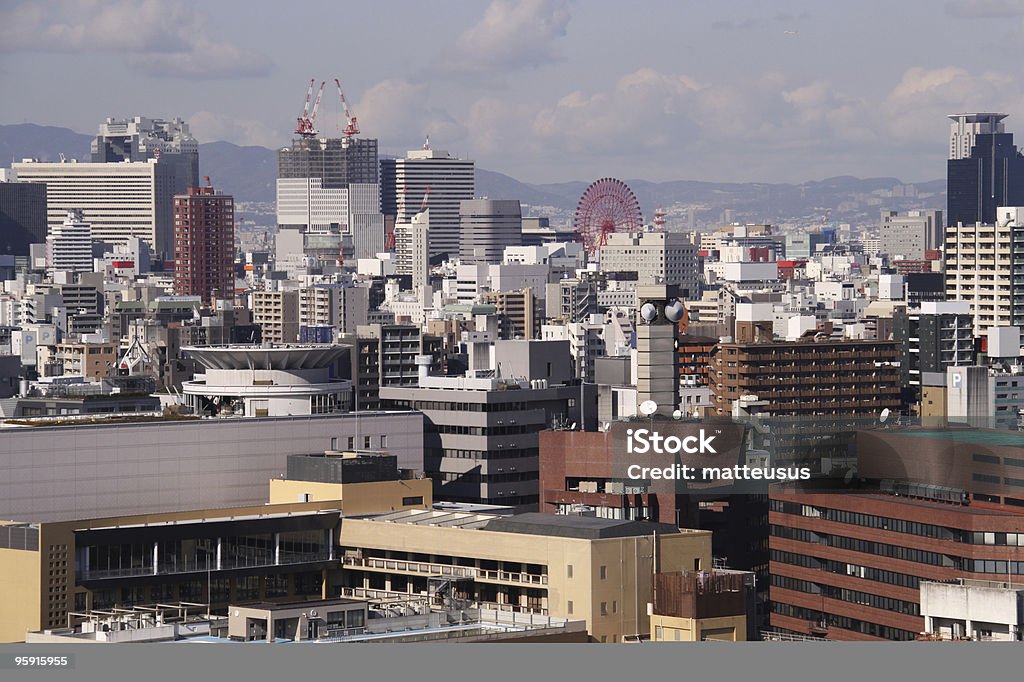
[(287, 606), (582, 527), (207, 516), (986, 437), (266, 356)]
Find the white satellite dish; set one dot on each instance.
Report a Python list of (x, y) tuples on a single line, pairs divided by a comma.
[(573, 427), (606, 427), (674, 311), (677, 414), (648, 407), (882, 417)]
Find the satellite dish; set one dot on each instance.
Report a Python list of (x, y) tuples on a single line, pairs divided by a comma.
[(606, 426), (882, 417), (674, 311), (677, 415), (573, 427), (648, 407), (649, 312)]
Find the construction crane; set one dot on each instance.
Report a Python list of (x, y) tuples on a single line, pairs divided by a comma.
[(304, 124), (316, 107), (423, 204), (351, 123)]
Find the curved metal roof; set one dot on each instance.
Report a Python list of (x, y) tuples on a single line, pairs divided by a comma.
[(266, 357)]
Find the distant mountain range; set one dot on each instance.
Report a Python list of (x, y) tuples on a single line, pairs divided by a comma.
[(249, 173)]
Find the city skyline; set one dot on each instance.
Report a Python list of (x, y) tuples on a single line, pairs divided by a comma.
[(543, 91)]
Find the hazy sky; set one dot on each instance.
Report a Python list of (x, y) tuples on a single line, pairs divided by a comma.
[(545, 91)]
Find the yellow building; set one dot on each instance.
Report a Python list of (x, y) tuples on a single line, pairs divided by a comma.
[(388, 544), (695, 606), (597, 570), (52, 570), (367, 483)]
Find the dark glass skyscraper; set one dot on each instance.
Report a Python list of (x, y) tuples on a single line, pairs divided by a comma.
[(985, 169)]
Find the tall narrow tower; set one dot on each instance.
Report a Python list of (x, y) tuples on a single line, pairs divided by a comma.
[(204, 244)]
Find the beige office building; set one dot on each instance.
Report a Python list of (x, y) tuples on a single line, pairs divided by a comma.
[(597, 570), (119, 200)]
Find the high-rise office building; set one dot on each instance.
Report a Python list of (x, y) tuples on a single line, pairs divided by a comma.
[(981, 270), (327, 189), (985, 170), (656, 258), (204, 244), (69, 245), (406, 182), (487, 227), (120, 200), (909, 235), (22, 214), (141, 139)]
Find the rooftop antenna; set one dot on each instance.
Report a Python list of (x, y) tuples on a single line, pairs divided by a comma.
[(426, 144)]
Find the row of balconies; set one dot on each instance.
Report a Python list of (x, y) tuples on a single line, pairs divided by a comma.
[(444, 570)]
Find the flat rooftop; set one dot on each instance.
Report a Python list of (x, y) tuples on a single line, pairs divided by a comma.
[(990, 437), (285, 606), (532, 523), (200, 519), (582, 527), (425, 517)]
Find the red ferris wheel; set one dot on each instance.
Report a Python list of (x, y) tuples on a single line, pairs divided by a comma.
[(608, 205)]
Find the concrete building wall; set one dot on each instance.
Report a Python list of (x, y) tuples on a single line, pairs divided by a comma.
[(56, 473)]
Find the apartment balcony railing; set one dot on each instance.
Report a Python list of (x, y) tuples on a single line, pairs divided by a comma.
[(446, 570)]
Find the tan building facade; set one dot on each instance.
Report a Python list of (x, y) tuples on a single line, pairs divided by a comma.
[(597, 570)]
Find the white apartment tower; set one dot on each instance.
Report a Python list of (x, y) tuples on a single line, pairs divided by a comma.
[(984, 269), (412, 248), (450, 180), (69, 245)]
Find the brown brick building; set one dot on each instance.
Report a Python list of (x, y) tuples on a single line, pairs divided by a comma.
[(848, 565), (808, 377)]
